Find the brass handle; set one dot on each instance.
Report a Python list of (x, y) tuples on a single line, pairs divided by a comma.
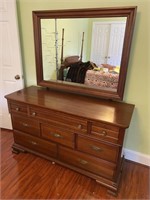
[(103, 133), (34, 114), (96, 148), (57, 135), (17, 109), (24, 124), (83, 162), (17, 77), (34, 143), (79, 126)]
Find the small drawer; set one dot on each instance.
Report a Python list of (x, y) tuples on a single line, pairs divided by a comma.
[(98, 149), (18, 108), (60, 119), (60, 136), (86, 162), (35, 144), (105, 132), (26, 124)]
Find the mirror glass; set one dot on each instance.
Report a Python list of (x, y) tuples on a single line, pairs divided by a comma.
[(84, 51), (95, 40)]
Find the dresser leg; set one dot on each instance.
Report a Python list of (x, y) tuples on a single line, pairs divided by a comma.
[(112, 187), (17, 149), (114, 193)]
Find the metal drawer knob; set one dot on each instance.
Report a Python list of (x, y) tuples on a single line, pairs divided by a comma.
[(34, 114), (96, 148), (57, 135), (34, 143), (17, 109), (25, 124), (104, 133), (79, 126), (83, 162)]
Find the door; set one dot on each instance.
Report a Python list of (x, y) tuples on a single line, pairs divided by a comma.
[(115, 47), (10, 58), (100, 43), (107, 42)]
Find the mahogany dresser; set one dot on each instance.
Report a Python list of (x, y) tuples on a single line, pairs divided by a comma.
[(82, 133)]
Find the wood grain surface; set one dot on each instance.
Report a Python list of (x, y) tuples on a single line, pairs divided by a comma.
[(25, 176)]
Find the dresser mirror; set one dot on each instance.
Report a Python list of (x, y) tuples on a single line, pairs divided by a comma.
[(84, 51)]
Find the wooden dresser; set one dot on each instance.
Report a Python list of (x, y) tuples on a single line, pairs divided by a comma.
[(82, 133)]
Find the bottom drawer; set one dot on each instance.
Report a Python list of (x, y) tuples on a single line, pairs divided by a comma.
[(89, 163), (35, 144)]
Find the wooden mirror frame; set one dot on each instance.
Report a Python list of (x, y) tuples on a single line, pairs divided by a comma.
[(128, 12)]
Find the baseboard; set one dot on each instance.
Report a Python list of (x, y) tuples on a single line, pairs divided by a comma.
[(137, 157)]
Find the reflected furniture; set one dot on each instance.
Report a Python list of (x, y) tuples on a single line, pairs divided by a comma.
[(83, 134)]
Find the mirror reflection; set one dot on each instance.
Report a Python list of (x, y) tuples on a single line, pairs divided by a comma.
[(83, 50)]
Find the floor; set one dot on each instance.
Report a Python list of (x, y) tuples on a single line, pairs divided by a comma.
[(25, 176)]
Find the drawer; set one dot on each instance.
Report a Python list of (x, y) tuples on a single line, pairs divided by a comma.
[(97, 148), (18, 107), (60, 119), (105, 132), (60, 136), (26, 124), (86, 162), (35, 144)]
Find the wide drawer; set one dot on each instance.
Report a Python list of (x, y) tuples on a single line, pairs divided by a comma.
[(105, 132), (96, 148), (59, 119), (86, 162), (60, 136), (26, 124), (35, 144), (17, 107)]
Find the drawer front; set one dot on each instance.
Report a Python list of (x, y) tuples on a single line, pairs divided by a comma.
[(25, 124), (18, 108), (105, 132), (98, 149), (86, 162), (60, 119), (35, 144), (60, 136)]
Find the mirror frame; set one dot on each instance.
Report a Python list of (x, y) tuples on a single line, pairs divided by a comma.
[(128, 12)]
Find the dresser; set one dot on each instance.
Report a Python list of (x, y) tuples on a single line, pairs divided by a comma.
[(82, 133)]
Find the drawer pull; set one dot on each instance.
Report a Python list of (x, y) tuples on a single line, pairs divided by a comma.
[(96, 148), (103, 133), (57, 135), (34, 114), (34, 143), (83, 162), (79, 126), (24, 124), (17, 109)]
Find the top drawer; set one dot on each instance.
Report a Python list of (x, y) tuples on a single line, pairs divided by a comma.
[(18, 107), (105, 132), (60, 119), (26, 125)]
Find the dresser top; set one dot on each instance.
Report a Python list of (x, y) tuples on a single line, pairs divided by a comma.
[(110, 112)]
